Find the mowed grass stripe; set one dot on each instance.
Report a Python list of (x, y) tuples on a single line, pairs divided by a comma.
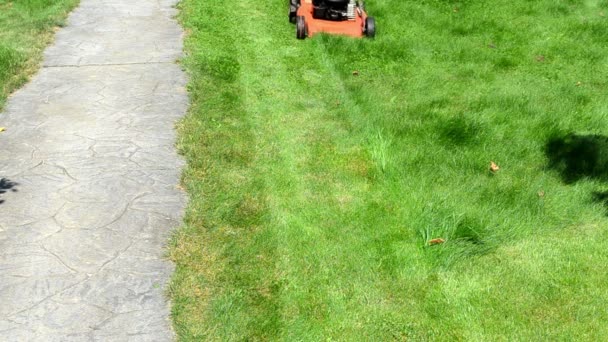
[(315, 190), (317, 181), (293, 128)]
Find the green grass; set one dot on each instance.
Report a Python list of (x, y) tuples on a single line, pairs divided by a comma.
[(26, 27), (315, 191)]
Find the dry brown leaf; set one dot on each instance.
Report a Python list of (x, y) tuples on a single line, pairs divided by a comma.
[(436, 241), (494, 167)]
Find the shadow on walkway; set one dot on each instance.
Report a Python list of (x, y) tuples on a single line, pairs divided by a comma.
[(6, 185)]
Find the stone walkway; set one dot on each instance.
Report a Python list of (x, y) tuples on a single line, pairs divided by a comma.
[(89, 174)]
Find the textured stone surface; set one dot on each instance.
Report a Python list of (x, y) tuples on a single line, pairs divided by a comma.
[(88, 179)]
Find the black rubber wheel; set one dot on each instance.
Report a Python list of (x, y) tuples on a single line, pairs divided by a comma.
[(370, 27), (301, 27), (293, 10)]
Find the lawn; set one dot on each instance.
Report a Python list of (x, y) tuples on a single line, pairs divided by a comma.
[(320, 170), (26, 27)]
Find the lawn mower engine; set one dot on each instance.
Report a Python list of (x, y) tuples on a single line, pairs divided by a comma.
[(333, 9), (342, 17)]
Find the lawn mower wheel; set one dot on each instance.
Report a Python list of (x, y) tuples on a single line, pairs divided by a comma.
[(370, 27), (301, 27)]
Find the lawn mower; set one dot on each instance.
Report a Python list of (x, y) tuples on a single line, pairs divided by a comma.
[(343, 17)]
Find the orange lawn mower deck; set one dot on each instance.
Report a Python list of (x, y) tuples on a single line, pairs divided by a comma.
[(341, 17)]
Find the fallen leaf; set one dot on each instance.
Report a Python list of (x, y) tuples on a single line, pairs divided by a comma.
[(356, 73), (494, 167), (436, 241), (540, 58), (541, 194)]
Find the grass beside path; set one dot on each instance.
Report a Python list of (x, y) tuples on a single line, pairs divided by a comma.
[(315, 190), (26, 27)]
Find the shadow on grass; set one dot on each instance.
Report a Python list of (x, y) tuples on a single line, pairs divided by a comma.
[(601, 197), (580, 156), (6, 185), (577, 156)]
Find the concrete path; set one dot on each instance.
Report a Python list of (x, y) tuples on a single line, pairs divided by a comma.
[(89, 174)]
